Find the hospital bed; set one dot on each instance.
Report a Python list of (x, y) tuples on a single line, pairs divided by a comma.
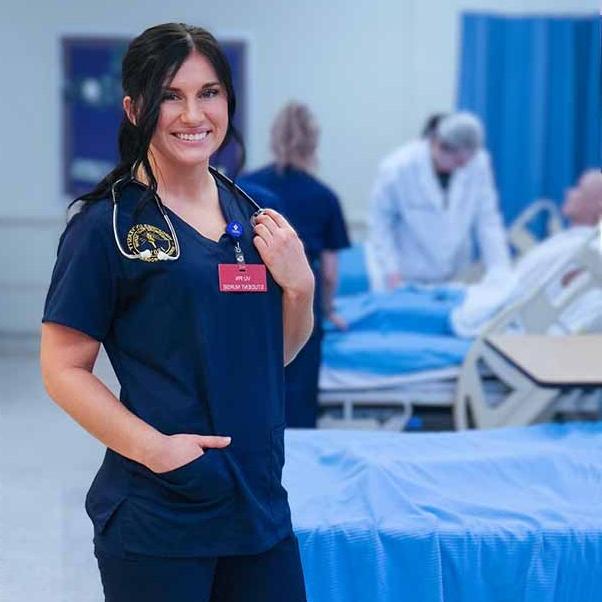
[(554, 309), (520, 232), (497, 515), (400, 354), (376, 378)]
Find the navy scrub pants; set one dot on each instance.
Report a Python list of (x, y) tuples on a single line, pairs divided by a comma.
[(272, 576)]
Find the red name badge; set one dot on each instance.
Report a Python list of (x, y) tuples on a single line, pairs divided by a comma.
[(250, 279)]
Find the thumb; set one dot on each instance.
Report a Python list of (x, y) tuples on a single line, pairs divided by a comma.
[(213, 441)]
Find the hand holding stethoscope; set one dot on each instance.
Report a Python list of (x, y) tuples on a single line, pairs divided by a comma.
[(282, 251)]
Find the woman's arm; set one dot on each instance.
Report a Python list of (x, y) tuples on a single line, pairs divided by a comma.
[(67, 359), (282, 252), (298, 317), (329, 268)]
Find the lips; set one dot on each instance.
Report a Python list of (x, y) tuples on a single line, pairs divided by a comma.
[(196, 137)]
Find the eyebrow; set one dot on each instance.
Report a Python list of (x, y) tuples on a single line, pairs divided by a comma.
[(208, 85)]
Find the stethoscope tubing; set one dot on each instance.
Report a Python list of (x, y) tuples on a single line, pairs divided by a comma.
[(164, 256)]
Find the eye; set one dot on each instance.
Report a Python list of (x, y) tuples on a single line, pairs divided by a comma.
[(210, 92), (169, 96)]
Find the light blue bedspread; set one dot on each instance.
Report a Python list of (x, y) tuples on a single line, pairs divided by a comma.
[(391, 353), (507, 515), (395, 333), (409, 309)]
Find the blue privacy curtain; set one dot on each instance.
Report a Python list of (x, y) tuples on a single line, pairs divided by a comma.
[(535, 82)]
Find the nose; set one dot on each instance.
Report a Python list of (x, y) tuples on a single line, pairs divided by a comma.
[(193, 112)]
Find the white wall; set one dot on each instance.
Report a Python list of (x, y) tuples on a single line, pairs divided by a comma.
[(372, 70)]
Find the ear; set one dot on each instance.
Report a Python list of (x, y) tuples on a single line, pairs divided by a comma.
[(128, 107)]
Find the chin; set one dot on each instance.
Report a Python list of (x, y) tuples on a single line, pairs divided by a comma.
[(191, 160)]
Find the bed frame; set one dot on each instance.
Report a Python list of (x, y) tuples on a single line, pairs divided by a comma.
[(519, 235), (486, 391), (541, 312)]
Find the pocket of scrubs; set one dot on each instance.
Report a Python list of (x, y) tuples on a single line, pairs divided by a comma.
[(205, 477), (169, 473), (101, 521)]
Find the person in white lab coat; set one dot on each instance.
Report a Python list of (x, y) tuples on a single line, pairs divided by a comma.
[(432, 199)]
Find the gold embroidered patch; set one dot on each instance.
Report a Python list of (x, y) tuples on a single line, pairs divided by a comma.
[(147, 241)]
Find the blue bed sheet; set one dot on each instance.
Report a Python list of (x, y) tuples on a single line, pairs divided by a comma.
[(399, 332), (506, 515), (409, 309), (391, 353)]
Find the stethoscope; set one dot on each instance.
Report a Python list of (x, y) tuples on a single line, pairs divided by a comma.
[(234, 229)]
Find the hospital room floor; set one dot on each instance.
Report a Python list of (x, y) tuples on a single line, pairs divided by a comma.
[(47, 463)]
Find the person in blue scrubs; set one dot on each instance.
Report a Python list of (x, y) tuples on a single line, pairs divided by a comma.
[(199, 307), (315, 213)]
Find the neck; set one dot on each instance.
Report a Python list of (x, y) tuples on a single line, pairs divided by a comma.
[(177, 183), (306, 165), (433, 154)]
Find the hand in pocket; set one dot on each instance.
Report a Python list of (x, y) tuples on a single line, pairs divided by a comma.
[(175, 451)]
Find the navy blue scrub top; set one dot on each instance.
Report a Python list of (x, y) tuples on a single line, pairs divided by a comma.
[(311, 208), (263, 196), (189, 359)]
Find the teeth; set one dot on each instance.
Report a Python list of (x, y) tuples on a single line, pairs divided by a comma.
[(193, 137)]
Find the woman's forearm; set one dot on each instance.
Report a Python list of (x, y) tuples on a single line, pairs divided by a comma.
[(89, 402), (329, 277), (298, 319)]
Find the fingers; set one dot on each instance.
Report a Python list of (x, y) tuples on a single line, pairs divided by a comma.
[(339, 322), (262, 231), (277, 217), (272, 227), (214, 441), (268, 221), (260, 245)]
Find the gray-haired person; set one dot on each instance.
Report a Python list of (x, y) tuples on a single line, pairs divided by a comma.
[(432, 201)]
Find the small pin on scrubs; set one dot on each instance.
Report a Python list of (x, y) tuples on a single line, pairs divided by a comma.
[(234, 229)]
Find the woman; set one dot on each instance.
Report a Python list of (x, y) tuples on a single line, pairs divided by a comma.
[(188, 503), (315, 213)]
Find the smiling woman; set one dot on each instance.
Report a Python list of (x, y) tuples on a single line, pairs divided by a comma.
[(193, 120), (190, 486)]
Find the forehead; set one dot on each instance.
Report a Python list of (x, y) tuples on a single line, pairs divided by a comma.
[(591, 181), (195, 70)]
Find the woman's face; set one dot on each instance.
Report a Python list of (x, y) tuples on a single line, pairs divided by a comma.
[(193, 118)]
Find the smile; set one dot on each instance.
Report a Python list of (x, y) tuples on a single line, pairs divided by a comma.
[(192, 137)]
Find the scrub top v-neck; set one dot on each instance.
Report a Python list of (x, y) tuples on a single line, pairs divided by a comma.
[(189, 359)]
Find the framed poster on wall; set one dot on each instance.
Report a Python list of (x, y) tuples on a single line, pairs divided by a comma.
[(92, 111)]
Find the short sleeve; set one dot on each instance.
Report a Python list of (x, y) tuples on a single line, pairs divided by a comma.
[(336, 236), (83, 287)]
